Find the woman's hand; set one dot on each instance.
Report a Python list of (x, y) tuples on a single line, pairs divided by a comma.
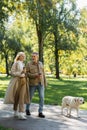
[(24, 70)]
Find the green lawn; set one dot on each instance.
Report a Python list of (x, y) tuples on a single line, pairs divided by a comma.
[(56, 89), (3, 128)]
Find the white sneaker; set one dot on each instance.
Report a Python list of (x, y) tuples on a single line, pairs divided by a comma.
[(16, 114), (24, 114), (21, 116)]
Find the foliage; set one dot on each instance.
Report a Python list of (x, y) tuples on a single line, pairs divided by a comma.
[(29, 25), (63, 26), (83, 22), (2, 69), (39, 12)]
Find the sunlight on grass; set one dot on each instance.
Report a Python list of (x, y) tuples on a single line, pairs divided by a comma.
[(56, 90), (3, 85), (84, 106)]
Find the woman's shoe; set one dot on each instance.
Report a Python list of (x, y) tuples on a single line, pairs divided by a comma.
[(16, 114), (21, 116)]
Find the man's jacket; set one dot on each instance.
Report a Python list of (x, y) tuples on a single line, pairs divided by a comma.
[(33, 70)]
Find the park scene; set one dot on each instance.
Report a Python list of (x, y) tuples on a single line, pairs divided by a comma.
[(50, 35)]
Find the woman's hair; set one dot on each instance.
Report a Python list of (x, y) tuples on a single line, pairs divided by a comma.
[(18, 55)]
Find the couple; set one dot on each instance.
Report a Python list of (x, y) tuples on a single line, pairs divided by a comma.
[(24, 82)]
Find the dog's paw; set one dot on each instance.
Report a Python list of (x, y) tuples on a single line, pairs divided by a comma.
[(78, 117), (68, 115)]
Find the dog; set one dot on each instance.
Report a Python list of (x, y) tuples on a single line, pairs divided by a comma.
[(70, 103)]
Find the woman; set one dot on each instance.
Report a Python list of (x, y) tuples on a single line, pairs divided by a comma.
[(17, 92)]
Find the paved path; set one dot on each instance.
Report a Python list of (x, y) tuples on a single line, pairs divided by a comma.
[(53, 121)]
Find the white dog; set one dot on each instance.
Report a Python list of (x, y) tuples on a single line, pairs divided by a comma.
[(70, 103)]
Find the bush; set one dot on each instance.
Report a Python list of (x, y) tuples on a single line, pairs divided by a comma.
[(2, 69)]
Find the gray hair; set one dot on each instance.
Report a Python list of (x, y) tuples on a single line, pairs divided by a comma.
[(36, 53)]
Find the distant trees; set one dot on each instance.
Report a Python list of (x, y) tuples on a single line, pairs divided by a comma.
[(64, 22), (49, 27)]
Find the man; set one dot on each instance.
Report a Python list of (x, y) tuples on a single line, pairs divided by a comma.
[(37, 81)]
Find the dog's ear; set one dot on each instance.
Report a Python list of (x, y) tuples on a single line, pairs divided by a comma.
[(76, 100)]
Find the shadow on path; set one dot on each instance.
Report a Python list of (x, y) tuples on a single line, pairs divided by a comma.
[(53, 121)]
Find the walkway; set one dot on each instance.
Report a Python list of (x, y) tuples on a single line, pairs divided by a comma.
[(53, 121)]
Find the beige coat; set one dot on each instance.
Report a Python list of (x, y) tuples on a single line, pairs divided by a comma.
[(14, 83)]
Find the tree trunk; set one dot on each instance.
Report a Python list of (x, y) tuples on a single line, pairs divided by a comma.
[(40, 43), (56, 59), (6, 62), (41, 50)]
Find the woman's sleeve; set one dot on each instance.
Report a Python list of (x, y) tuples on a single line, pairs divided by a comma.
[(15, 70)]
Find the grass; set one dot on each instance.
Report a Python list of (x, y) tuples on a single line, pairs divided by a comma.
[(3, 128), (3, 85), (56, 89)]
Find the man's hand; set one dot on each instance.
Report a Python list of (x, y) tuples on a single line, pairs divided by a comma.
[(39, 76), (22, 75)]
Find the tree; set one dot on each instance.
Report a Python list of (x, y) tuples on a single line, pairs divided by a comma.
[(6, 46), (64, 23), (38, 11), (83, 23), (6, 8)]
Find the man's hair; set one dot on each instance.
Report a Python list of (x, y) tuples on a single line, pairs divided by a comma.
[(36, 53)]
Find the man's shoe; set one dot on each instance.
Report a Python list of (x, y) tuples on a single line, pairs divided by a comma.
[(28, 112), (41, 115)]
